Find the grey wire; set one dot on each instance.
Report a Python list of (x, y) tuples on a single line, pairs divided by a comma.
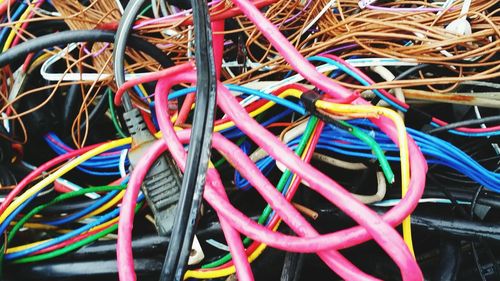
[(122, 35)]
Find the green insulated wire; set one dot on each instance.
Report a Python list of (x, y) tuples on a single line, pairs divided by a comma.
[(145, 10), (113, 114), (379, 153), (311, 125), (74, 246), (56, 200)]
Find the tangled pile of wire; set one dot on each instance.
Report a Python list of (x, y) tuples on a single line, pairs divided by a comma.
[(342, 119)]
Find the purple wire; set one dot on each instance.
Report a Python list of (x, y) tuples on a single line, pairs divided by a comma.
[(299, 13), (415, 10), (106, 45), (340, 48)]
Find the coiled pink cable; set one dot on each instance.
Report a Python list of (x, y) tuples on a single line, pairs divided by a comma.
[(334, 259), (274, 239), (348, 237)]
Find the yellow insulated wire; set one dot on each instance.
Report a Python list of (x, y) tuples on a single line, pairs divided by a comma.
[(106, 206), (61, 172), (217, 273), (260, 110), (403, 147), (16, 27)]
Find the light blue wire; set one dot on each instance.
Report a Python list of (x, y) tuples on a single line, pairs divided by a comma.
[(389, 101), (14, 17)]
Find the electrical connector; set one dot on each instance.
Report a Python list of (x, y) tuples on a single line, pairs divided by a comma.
[(161, 186)]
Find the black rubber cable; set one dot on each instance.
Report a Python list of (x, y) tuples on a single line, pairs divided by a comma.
[(96, 112), (465, 123), (73, 98), (19, 52), (410, 71), (450, 255), (199, 148)]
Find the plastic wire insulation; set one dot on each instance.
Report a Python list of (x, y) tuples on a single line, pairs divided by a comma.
[(309, 72), (178, 153), (232, 109), (323, 185), (60, 172), (402, 141)]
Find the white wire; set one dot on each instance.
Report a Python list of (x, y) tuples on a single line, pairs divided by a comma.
[(394, 202), (445, 6), (318, 16), (64, 182), (339, 163), (120, 7), (6, 124), (290, 135), (379, 195), (494, 145), (388, 76), (76, 76), (361, 62), (154, 7), (121, 166), (163, 8)]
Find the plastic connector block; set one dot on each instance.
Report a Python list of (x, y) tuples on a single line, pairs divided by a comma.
[(161, 186)]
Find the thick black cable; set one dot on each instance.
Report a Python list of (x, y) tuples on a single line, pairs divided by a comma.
[(13, 55), (465, 123), (450, 256), (199, 148)]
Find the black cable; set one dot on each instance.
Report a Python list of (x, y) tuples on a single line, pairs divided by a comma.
[(475, 253), (410, 71), (96, 112), (402, 76), (458, 228), (470, 122), (199, 148), (450, 253), (13, 55), (69, 112)]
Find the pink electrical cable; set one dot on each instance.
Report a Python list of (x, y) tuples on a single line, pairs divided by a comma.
[(307, 70), (124, 251), (382, 233), (336, 261), (415, 192), (176, 148), (345, 234)]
